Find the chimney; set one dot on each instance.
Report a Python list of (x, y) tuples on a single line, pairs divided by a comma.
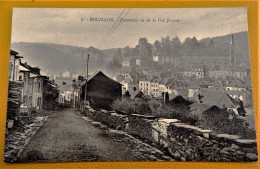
[(80, 78)]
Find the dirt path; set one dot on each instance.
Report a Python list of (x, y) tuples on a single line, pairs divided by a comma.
[(66, 137)]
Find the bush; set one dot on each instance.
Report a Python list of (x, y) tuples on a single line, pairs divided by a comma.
[(154, 107), (218, 121)]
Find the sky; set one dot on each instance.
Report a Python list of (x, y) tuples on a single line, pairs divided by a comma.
[(72, 26)]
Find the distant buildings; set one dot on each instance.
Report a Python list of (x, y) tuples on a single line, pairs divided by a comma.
[(239, 73), (145, 86)]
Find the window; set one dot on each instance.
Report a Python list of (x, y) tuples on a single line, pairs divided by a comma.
[(20, 78), (39, 86)]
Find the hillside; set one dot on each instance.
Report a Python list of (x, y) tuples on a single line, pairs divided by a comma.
[(241, 45), (59, 58), (55, 58)]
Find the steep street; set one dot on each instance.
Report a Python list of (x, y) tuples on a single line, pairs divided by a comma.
[(66, 136)]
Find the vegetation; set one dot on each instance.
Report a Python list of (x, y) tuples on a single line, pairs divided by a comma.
[(217, 120), (50, 95), (154, 107)]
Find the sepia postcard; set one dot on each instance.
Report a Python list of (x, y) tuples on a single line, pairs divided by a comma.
[(130, 84)]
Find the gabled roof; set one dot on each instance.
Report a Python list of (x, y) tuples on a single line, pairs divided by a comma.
[(137, 93), (24, 69), (235, 83), (100, 73), (179, 100), (32, 69), (220, 99), (199, 108), (164, 81), (155, 80)]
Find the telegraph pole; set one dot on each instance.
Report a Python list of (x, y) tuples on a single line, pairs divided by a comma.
[(86, 80)]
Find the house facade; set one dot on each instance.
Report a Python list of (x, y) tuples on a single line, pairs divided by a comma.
[(101, 91)]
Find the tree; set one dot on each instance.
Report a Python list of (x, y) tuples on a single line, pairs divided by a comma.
[(127, 52), (50, 95), (167, 47), (158, 47), (176, 43)]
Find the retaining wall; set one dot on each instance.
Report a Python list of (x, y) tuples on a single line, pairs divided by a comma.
[(184, 142), (110, 118)]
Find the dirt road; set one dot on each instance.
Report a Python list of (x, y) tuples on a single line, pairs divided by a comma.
[(66, 137)]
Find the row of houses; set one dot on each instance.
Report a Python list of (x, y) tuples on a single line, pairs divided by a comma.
[(191, 90), (200, 72), (35, 86)]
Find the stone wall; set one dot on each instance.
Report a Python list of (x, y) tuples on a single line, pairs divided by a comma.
[(182, 141), (110, 118)]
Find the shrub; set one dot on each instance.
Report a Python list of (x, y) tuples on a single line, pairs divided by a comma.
[(218, 121)]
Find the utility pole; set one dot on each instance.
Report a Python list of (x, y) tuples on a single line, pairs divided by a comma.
[(86, 80)]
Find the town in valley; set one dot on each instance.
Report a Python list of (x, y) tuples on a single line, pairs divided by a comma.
[(162, 100)]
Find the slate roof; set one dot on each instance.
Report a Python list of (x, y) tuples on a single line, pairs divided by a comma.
[(220, 99), (155, 80), (235, 83), (97, 73), (136, 93), (179, 100), (164, 81), (199, 108)]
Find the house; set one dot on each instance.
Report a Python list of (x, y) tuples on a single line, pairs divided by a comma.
[(196, 72), (198, 108), (235, 85), (32, 81), (165, 60), (14, 66), (138, 62), (126, 63), (192, 91), (156, 59), (76, 90), (134, 94), (210, 61), (125, 82), (124, 71), (224, 101), (102, 90), (32, 86), (155, 87), (145, 85), (162, 86), (179, 100), (177, 87), (67, 93), (229, 72)]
